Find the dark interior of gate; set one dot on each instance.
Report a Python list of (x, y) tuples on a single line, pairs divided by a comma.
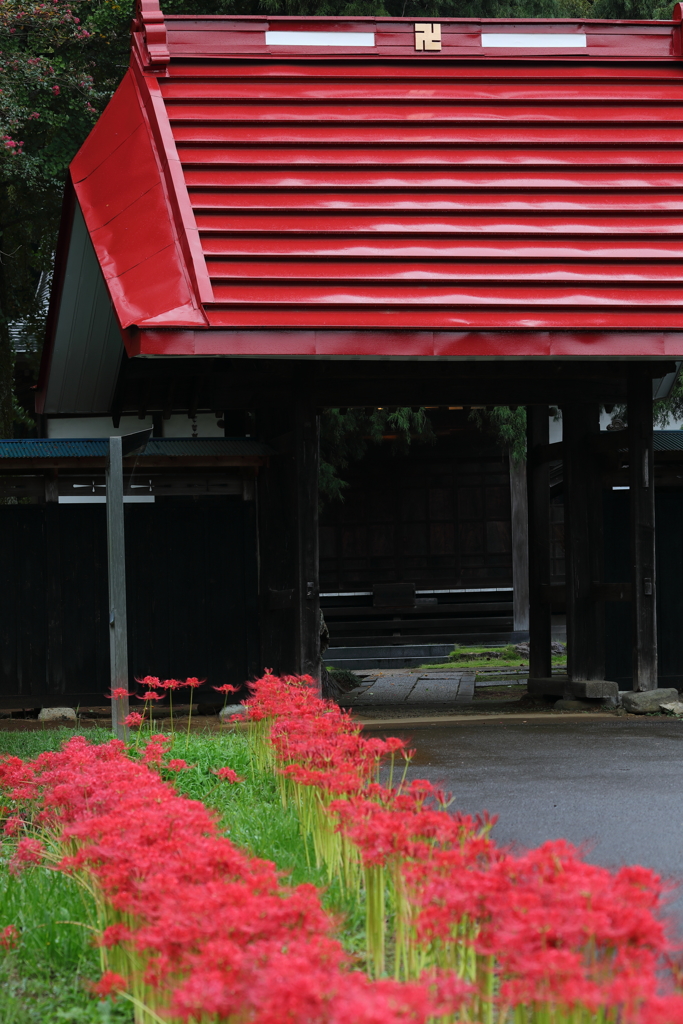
[(376, 212), (419, 552)]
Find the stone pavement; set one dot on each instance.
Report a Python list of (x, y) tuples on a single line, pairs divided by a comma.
[(412, 689)]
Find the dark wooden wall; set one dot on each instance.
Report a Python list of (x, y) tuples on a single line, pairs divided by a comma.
[(192, 595), (438, 517)]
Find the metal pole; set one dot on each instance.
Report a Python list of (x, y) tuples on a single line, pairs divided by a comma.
[(116, 558)]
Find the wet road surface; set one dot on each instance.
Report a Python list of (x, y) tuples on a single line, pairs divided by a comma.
[(615, 785)]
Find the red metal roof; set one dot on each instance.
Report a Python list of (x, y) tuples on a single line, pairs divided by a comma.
[(326, 200)]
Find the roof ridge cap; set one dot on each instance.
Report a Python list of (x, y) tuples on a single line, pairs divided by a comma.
[(150, 23)]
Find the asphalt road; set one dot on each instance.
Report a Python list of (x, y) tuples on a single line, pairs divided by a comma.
[(615, 785)]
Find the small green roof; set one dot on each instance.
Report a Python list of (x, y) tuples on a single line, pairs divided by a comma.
[(78, 448)]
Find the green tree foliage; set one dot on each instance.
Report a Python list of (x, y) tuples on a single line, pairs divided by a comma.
[(430, 8), (49, 101), (664, 410), (671, 408), (346, 436), (508, 426)]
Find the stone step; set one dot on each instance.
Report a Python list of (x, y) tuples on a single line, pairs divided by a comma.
[(402, 655)]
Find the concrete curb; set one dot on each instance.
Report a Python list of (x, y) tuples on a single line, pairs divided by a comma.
[(560, 716)]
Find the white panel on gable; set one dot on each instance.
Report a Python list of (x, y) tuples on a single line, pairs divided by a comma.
[(535, 40), (320, 38)]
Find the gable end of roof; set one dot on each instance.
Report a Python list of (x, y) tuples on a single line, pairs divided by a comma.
[(134, 201)]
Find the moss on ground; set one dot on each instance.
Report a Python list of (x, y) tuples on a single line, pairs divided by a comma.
[(490, 657)]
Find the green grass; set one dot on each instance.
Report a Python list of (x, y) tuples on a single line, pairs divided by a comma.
[(45, 979), (345, 677), (490, 657)]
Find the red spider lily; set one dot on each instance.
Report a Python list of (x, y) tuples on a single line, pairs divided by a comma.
[(150, 695), (227, 773), (171, 684), (225, 688), (134, 719), (9, 937), (193, 682), (12, 826), (28, 851), (151, 682), (109, 984), (118, 693), (156, 749), (114, 935), (177, 765), (535, 937)]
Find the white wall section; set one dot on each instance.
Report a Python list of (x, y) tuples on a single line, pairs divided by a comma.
[(320, 38), (534, 40)]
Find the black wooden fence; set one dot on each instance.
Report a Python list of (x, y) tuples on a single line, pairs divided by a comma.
[(192, 597)]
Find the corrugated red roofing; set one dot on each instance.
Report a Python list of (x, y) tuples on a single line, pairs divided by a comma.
[(292, 199)]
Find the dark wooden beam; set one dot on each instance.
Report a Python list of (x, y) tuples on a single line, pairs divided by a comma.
[(143, 401), (444, 392), (167, 409), (642, 501), (223, 384), (547, 452), (194, 400), (538, 495), (612, 592), (583, 542), (52, 485)]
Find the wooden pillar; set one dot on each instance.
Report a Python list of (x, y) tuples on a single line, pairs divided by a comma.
[(583, 542), (56, 679), (520, 545), (538, 492), (289, 605), (307, 430), (642, 501)]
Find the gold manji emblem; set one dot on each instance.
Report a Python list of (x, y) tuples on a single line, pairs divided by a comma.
[(427, 37)]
